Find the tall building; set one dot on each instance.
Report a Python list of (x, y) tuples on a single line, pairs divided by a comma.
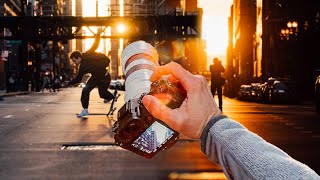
[(290, 41), (187, 52), (10, 62), (257, 42), (244, 27), (54, 55)]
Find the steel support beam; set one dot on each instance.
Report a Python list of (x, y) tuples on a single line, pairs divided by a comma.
[(58, 28)]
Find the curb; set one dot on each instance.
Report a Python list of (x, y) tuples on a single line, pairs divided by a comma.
[(13, 94)]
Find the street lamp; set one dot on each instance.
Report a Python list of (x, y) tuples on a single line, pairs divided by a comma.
[(289, 24), (291, 30), (294, 24)]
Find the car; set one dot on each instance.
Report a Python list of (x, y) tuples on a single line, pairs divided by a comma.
[(255, 89), (317, 94), (278, 92), (244, 92), (118, 84)]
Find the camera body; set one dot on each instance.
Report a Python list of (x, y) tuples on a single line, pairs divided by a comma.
[(135, 130), (138, 131)]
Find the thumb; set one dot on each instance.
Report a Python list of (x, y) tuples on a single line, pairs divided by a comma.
[(158, 110)]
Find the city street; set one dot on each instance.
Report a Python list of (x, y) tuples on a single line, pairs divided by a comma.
[(41, 138)]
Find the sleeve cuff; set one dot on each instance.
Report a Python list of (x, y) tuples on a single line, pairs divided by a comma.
[(205, 131)]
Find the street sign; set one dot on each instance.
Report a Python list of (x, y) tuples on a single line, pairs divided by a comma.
[(15, 42)]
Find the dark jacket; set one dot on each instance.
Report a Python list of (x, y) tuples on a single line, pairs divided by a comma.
[(216, 78), (92, 62)]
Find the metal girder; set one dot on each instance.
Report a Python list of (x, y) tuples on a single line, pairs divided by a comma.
[(58, 28)]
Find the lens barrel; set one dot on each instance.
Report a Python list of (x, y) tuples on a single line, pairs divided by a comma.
[(138, 60)]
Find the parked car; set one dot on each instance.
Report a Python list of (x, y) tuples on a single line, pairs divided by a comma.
[(255, 90), (244, 92), (317, 94), (266, 90), (117, 84), (278, 92)]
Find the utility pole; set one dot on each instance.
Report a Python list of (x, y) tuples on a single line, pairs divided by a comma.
[(24, 54), (97, 6)]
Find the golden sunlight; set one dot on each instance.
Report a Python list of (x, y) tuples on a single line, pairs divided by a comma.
[(215, 27), (121, 28), (216, 34), (89, 10)]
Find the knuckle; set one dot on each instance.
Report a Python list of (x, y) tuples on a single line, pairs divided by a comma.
[(175, 65)]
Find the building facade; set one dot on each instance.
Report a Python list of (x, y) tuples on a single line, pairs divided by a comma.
[(10, 63), (290, 42), (190, 53), (274, 38), (244, 26)]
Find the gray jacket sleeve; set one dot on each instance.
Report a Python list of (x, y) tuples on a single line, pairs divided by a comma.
[(244, 155)]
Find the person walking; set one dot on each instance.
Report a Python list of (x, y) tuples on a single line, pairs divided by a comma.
[(96, 64), (46, 83), (217, 81)]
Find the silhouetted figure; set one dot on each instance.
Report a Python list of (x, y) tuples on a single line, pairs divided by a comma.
[(217, 81), (96, 64), (56, 84), (46, 83), (11, 83)]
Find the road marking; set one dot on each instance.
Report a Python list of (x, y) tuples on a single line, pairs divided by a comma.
[(8, 116), (90, 147), (199, 175)]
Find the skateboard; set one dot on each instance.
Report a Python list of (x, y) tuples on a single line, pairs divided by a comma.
[(112, 109)]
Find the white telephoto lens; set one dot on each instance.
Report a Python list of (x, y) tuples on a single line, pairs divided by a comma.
[(138, 60)]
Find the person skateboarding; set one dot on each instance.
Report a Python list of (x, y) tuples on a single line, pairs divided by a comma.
[(96, 64)]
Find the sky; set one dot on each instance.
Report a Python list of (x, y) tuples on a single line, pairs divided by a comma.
[(215, 27)]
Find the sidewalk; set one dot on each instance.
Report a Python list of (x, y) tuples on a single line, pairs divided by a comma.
[(3, 93)]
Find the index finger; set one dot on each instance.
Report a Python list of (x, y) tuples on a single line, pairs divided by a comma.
[(176, 70)]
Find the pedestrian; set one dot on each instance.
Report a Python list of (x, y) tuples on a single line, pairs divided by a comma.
[(96, 64), (11, 83), (46, 83), (241, 153), (217, 81), (56, 84)]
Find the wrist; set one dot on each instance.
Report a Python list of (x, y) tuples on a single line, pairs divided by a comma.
[(204, 134)]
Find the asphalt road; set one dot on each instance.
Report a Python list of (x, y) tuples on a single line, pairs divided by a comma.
[(41, 138)]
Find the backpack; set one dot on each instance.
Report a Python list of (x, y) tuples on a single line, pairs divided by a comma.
[(96, 56)]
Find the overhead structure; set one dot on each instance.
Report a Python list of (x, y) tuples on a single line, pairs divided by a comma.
[(60, 28)]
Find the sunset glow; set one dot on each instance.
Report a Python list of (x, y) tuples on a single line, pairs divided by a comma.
[(215, 27), (89, 10)]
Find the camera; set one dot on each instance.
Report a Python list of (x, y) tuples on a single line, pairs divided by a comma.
[(136, 129)]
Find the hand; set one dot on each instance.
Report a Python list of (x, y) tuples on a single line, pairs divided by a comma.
[(100, 30), (197, 109)]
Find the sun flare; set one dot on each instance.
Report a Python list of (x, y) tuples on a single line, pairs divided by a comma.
[(216, 34)]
